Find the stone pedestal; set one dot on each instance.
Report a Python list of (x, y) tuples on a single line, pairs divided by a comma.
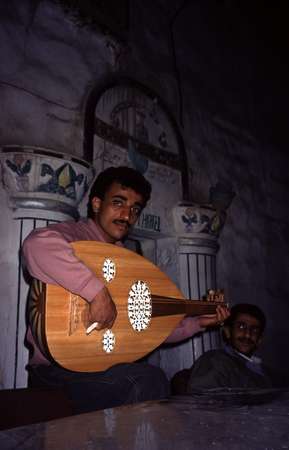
[(42, 186), (193, 250)]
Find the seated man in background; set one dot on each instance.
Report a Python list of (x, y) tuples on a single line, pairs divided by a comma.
[(234, 366)]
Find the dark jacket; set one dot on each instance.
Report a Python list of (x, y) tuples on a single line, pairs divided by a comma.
[(225, 368)]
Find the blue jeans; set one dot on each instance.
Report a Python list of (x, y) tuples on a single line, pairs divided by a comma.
[(122, 384)]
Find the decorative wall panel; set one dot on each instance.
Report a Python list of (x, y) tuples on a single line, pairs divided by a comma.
[(131, 126)]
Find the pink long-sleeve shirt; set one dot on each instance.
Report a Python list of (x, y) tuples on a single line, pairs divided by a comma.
[(50, 258)]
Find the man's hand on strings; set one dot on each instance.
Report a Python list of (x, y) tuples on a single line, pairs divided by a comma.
[(192, 325), (212, 320), (102, 310)]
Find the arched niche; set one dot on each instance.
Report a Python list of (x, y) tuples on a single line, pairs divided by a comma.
[(126, 123)]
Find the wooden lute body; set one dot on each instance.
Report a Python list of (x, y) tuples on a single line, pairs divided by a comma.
[(59, 318)]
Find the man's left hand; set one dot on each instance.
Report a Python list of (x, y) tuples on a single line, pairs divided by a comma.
[(212, 320)]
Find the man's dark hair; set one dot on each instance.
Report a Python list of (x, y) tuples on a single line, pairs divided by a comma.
[(126, 176), (247, 308)]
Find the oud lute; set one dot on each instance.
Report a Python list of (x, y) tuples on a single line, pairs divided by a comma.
[(149, 307)]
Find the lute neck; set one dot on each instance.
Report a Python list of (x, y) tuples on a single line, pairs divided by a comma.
[(166, 306)]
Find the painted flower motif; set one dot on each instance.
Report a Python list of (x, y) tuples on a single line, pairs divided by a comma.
[(21, 167), (62, 180), (189, 218)]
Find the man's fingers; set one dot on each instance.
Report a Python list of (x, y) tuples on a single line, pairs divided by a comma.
[(222, 314), (102, 311), (110, 324), (97, 326), (100, 325)]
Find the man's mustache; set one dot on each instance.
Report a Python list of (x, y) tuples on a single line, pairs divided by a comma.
[(246, 341), (122, 222)]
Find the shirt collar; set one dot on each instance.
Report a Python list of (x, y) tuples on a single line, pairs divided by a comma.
[(252, 359)]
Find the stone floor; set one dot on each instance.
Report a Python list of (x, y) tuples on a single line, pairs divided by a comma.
[(231, 420)]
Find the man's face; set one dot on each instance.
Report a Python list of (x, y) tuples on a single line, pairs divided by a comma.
[(245, 334), (118, 211)]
